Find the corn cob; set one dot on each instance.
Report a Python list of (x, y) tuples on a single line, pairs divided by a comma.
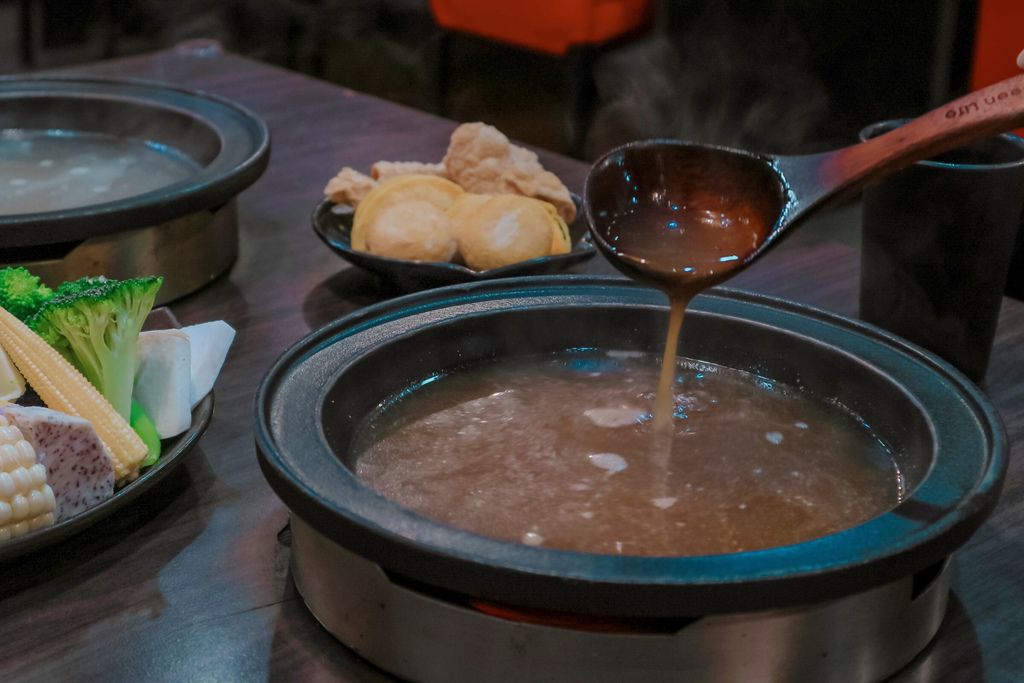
[(63, 388), (26, 500)]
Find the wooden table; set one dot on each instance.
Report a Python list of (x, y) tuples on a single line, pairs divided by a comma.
[(192, 584)]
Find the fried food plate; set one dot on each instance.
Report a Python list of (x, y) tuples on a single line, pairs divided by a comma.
[(333, 225)]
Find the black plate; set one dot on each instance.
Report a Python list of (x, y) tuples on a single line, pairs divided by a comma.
[(333, 224), (171, 456)]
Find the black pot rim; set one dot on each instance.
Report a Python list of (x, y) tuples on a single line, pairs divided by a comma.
[(894, 545), (243, 156)]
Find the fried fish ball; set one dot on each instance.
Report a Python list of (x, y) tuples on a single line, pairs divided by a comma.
[(466, 207), (501, 229), (413, 230), (481, 159), (561, 240), (349, 187), (386, 170), (470, 203), (430, 189)]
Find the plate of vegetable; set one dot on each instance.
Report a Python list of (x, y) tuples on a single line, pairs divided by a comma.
[(100, 397)]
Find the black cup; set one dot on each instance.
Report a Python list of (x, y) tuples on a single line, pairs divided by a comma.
[(936, 246)]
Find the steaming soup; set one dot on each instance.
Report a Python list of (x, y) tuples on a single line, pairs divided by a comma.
[(54, 170), (561, 451)]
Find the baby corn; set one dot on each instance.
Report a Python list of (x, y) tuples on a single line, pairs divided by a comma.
[(63, 388), (26, 500)]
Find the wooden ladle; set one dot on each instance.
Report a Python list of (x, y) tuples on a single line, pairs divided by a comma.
[(685, 216)]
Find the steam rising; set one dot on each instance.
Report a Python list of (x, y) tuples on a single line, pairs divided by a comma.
[(715, 84)]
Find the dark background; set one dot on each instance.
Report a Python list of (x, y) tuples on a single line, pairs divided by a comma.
[(785, 76)]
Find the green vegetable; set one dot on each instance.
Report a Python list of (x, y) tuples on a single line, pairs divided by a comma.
[(96, 328), (146, 430), (21, 292), (80, 285)]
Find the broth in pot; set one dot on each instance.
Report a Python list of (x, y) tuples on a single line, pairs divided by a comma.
[(44, 170), (561, 451)]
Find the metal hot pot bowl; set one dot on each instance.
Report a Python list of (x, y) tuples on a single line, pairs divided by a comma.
[(186, 231), (405, 592)]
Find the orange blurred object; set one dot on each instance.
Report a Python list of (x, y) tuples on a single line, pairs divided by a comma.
[(998, 41), (549, 26)]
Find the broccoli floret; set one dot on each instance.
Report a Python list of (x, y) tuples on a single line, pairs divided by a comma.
[(21, 292), (97, 329), (51, 334), (80, 285)]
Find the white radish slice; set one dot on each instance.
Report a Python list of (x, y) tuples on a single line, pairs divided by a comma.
[(209, 345), (12, 384), (163, 381)]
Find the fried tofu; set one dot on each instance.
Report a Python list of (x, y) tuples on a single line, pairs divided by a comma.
[(349, 187), (482, 160)]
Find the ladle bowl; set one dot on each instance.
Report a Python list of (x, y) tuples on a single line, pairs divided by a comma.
[(665, 189)]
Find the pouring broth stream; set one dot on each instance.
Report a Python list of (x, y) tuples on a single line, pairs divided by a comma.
[(682, 250)]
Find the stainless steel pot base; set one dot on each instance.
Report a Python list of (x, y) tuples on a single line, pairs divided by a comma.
[(189, 252), (862, 637)]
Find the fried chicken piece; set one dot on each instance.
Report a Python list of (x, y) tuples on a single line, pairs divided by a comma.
[(481, 159), (384, 170), (349, 187)]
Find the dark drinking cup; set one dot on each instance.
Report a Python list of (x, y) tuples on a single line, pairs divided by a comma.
[(936, 247)]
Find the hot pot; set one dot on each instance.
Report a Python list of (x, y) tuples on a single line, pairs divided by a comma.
[(434, 603), (186, 231)]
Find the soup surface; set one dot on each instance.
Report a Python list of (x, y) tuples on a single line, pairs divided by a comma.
[(54, 170), (561, 451)]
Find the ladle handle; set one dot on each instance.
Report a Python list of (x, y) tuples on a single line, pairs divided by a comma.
[(991, 110)]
